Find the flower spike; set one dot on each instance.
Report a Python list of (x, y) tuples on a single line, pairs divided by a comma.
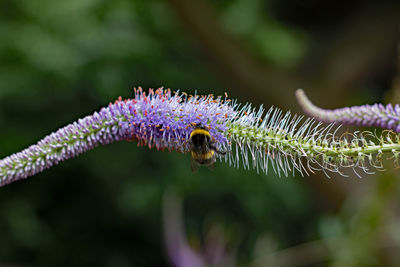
[(160, 119), (377, 115), (164, 120)]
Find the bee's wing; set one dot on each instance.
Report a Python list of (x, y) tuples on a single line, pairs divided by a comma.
[(194, 165), (190, 145)]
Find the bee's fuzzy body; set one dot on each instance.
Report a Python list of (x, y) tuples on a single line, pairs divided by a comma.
[(202, 148)]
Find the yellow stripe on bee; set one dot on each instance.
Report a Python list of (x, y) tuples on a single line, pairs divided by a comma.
[(200, 131), (204, 156)]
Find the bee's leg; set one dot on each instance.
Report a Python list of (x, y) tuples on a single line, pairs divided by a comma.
[(221, 152), (213, 147)]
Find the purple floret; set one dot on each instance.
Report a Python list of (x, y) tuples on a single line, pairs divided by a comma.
[(166, 121), (160, 119)]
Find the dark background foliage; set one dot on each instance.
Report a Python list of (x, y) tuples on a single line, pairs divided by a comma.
[(62, 60)]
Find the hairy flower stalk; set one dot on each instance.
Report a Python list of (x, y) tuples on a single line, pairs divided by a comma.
[(377, 115), (280, 140), (164, 120)]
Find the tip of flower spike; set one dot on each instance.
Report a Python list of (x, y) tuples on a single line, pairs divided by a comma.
[(304, 102), (377, 115), (299, 92)]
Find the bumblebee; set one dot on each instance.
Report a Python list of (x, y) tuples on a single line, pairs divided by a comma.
[(202, 149)]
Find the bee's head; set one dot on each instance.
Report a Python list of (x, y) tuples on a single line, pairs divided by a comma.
[(199, 139), (200, 136)]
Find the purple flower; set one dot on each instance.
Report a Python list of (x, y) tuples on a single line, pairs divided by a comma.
[(160, 119), (377, 115)]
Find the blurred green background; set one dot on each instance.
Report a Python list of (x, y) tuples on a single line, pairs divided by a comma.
[(62, 60)]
